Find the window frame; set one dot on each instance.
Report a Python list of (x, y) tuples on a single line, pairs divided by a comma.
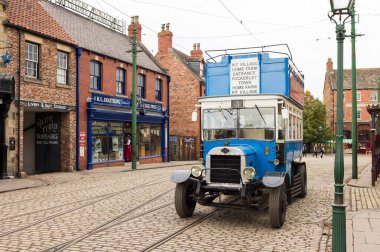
[(141, 89), (158, 93), (65, 69), (99, 78), (370, 96), (358, 96), (120, 82), (36, 62), (358, 114)]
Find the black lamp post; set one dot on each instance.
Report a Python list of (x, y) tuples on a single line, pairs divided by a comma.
[(340, 12)]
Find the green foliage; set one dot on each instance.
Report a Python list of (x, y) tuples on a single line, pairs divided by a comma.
[(314, 125)]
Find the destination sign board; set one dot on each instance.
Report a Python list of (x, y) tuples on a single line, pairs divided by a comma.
[(244, 76)]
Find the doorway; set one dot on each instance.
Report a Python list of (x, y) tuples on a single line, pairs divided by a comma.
[(47, 142)]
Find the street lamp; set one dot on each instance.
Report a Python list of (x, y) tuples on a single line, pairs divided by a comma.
[(341, 10)]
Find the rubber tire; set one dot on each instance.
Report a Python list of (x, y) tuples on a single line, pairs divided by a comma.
[(302, 171), (184, 205), (277, 206)]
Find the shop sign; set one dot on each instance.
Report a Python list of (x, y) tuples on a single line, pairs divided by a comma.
[(114, 101), (111, 100), (46, 106), (82, 138)]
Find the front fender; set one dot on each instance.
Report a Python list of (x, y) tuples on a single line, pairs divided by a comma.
[(274, 179), (180, 176)]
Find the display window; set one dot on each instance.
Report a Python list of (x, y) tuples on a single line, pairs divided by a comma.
[(149, 140), (107, 141)]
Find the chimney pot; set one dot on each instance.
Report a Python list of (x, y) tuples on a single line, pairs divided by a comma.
[(163, 27), (198, 46), (167, 26)]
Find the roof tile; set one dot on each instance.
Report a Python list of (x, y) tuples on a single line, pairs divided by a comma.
[(30, 15)]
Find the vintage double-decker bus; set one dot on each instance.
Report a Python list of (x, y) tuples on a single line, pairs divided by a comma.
[(252, 135)]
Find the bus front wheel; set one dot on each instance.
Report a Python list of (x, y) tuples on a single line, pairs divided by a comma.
[(277, 206), (183, 200)]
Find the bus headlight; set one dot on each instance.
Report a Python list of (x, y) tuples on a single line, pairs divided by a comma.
[(196, 171), (276, 162), (249, 173)]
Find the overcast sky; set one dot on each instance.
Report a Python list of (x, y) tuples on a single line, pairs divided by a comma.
[(218, 24)]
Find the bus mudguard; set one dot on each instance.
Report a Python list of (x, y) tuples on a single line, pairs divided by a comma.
[(274, 179), (180, 176)]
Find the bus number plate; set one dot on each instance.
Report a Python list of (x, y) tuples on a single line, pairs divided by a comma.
[(237, 104)]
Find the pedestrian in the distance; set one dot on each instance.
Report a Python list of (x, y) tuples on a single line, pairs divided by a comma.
[(315, 151), (322, 151), (304, 150)]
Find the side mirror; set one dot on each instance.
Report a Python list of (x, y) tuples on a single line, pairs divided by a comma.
[(285, 113), (194, 116)]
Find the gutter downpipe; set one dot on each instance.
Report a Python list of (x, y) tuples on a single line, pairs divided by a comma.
[(78, 54), (168, 116), (19, 105)]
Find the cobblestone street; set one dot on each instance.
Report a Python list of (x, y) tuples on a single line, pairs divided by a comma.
[(115, 209)]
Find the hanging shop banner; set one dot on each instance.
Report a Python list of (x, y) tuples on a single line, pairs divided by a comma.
[(121, 102)]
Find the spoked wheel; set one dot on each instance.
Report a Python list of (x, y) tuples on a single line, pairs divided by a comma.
[(302, 171), (277, 206), (184, 203)]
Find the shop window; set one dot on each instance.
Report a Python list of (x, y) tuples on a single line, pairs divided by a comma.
[(107, 141), (95, 75), (31, 60), (62, 75), (141, 85), (149, 140), (158, 90), (120, 81)]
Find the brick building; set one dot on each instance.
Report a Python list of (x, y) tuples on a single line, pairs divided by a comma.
[(366, 86), (187, 84), (104, 60), (41, 122)]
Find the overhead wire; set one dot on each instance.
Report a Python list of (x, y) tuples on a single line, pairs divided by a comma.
[(147, 27), (240, 21)]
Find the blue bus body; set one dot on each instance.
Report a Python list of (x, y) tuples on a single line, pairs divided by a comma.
[(252, 136)]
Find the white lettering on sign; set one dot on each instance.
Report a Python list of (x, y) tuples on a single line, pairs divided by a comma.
[(244, 76)]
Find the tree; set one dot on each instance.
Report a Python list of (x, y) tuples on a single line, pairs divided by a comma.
[(314, 114)]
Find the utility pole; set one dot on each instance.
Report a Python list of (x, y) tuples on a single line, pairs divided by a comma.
[(354, 102), (134, 105)]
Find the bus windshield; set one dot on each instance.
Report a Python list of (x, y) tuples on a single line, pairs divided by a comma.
[(248, 123)]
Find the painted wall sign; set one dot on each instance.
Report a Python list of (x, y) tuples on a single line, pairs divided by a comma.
[(244, 76), (114, 101), (46, 106), (48, 139)]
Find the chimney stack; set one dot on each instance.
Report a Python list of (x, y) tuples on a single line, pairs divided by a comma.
[(329, 65), (197, 52), (165, 39), (138, 28)]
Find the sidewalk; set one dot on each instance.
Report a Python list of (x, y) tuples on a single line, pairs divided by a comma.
[(363, 221), (8, 185)]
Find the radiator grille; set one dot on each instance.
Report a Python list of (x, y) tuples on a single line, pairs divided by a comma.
[(229, 171)]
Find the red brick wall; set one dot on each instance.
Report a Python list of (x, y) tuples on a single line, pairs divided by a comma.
[(184, 91), (45, 89), (109, 67)]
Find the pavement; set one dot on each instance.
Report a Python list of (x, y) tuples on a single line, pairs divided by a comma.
[(38, 180), (44, 211), (363, 217)]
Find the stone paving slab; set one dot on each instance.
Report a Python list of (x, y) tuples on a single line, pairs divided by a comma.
[(7, 185)]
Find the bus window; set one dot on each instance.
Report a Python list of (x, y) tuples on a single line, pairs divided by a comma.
[(257, 123), (219, 124)]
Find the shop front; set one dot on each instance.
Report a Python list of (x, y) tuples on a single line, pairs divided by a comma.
[(109, 130)]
